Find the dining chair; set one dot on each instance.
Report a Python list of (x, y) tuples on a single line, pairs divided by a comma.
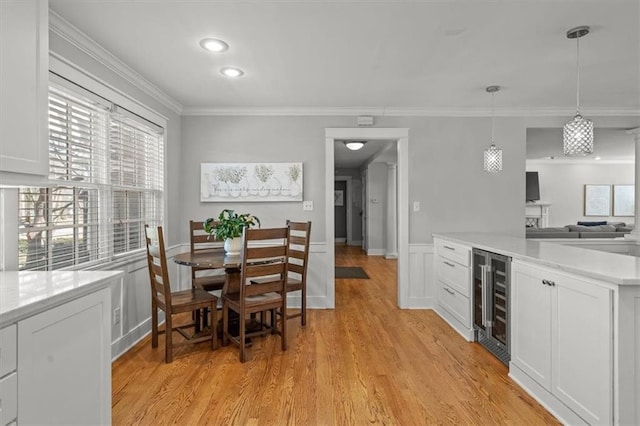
[(175, 302), (299, 237), (208, 279), (264, 256)]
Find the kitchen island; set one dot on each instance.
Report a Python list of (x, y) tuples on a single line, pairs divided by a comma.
[(574, 322), (55, 347)]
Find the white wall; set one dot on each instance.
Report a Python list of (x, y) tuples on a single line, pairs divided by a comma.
[(376, 208), (562, 185)]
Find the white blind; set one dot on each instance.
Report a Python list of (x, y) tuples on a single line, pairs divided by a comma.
[(110, 168), (77, 138), (136, 155)]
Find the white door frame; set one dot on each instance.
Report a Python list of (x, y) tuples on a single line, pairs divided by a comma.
[(401, 136)]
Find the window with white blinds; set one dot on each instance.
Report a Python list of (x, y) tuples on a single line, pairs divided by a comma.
[(106, 170)]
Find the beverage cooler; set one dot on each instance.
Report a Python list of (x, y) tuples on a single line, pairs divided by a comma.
[(491, 310)]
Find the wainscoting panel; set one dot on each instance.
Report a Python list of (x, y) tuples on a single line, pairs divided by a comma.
[(422, 289)]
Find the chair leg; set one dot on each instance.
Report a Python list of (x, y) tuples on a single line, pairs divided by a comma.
[(242, 329), (214, 326), (304, 307), (284, 321), (225, 324), (154, 325), (168, 334)]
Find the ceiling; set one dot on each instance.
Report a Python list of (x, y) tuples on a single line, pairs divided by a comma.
[(391, 55), (344, 158), (377, 57)]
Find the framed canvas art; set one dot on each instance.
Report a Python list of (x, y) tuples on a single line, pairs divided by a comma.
[(242, 182), (624, 200), (597, 200)]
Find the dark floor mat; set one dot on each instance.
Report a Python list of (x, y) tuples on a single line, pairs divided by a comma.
[(351, 272)]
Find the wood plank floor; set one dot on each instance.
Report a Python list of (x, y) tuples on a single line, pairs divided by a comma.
[(366, 362)]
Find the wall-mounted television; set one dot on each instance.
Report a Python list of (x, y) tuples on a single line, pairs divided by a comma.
[(533, 187)]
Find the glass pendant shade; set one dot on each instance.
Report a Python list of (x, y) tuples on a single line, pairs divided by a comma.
[(493, 159), (578, 136)]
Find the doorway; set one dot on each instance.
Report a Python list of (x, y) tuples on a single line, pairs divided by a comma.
[(401, 137)]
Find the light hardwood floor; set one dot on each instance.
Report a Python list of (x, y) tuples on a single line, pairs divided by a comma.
[(366, 362)]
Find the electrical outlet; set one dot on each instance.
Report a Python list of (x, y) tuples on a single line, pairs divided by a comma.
[(307, 205), (116, 316)]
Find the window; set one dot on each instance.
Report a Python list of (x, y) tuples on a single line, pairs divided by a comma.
[(106, 173)]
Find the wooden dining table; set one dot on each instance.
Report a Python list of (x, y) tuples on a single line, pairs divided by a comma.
[(216, 259)]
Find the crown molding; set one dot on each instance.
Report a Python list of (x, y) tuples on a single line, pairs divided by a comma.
[(564, 161), (408, 112), (60, 26)]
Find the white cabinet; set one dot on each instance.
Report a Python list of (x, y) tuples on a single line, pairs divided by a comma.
[(24, 53), (64, 363), (8, 375), (453, 278), (562, 338)]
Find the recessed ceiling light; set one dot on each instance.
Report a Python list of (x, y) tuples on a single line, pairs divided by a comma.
[(231, 72), (213, 45), (598, 158)]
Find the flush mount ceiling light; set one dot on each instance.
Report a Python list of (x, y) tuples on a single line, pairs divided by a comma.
[(492, 155), (213, 45), (231, 72), (578, 133), (354, 145)]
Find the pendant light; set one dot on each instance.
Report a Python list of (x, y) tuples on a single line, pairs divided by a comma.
[(578, 133), (492, 155)]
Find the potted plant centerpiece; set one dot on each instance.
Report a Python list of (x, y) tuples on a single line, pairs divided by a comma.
[(228, 228)]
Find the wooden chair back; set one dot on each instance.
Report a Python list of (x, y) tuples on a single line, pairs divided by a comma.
[(158, 270), (200, 240), (299, 238), (264, 261)]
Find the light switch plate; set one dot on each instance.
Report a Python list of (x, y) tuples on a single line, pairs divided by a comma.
[(416, 206), (307, 205)]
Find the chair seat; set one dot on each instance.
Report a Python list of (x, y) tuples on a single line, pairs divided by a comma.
[(209, 282), (258, 299), (183, 301)]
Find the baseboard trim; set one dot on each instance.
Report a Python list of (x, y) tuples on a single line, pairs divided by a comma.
[(420, 303), (340, 240), (455, 324), (375, 252), (544, 397), (133, 337)]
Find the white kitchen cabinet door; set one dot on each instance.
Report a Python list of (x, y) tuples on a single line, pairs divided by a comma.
[(24, 74), (582, 349), (64, 363), (531, 324)]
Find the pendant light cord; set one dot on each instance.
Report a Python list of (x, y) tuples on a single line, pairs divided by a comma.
[(577, 75), (492, 116)]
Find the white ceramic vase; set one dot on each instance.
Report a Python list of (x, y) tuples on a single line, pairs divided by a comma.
[(233, 246)]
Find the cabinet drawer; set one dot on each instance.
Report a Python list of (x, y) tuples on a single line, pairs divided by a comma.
[(454, 275), (455, 303), (453, 251), (8, 398), (8, 350)]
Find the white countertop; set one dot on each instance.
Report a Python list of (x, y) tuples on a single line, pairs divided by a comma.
[(609, 267), (26, 293)]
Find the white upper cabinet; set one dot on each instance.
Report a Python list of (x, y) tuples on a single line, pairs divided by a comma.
[(24, 53)]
